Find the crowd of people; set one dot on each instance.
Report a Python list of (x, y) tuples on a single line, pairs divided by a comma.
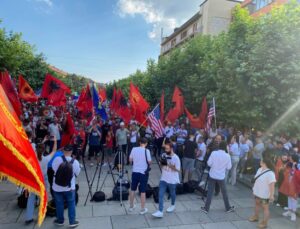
[(224, 153)]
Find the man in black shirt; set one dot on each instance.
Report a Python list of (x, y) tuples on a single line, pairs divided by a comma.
[(189, 154)]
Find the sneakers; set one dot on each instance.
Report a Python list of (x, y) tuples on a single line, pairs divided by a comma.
[(277, 205), (171, 208), (58, 223), (158, 214), (131, 209), (143, 211), (287, 214), (75, 224), (231, 209), (286, 208), (293, 216), (203, 209), (253, 218), (262, 225), (202, 183)]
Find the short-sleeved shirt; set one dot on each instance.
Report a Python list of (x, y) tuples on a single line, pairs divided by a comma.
[(139, 159), (121, 136), (261, 186), (258, 150), (190, 148), (168, 175), (202, 148), (54, 131), (219, 161), (95, 138), (57, 154), (76, 170), (169, 131)]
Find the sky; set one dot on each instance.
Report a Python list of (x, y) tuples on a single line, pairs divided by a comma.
[(104, 40)]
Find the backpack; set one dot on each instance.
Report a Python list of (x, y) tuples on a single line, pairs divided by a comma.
[(64, 173), (98, 196), (118, 191)]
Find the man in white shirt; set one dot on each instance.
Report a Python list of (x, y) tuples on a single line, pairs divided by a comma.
[(54, 130), (65, 193), (219, 161), (169, 130), (141, 159), (199, 162), (170, 164)]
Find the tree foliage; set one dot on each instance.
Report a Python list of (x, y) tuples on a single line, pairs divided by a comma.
[(252, 70)]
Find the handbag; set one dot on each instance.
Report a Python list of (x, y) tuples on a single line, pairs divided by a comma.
[(148, 166), (255, 178)]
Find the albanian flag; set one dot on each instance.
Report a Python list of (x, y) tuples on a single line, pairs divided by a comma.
[(178, 109), (85, 104), (25, 91), (55, 91), (139, 105), (122, 108), (18, 161), (198, 121), (114, 100), (102, 94), (69, 131), (11, 92)]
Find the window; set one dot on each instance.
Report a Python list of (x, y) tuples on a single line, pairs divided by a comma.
[(261, 3), (173, 42), (195, 27), (183, 35)]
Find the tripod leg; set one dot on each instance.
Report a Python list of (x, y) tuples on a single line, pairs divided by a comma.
[(87, 177), (91, 185), (158, 163)]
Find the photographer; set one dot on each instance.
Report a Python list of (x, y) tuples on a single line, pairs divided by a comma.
[(170, 163)]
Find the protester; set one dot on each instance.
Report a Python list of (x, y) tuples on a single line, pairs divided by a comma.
[(292, 190), (108, 148), (189, 154), (199, 162), (94, 141), (235, 157), (43, 161), (54, 129), (66, 169), (141, 159), (169, 179), (133, 138), (282, 172), (121, 138), (263, 191), (219, 161)]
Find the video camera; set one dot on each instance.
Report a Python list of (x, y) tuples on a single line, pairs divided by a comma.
[(164, 159)]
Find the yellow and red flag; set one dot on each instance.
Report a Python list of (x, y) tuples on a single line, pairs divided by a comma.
[(18, 161), (25, 91)]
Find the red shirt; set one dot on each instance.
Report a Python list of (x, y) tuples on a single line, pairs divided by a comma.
[(109, 142)]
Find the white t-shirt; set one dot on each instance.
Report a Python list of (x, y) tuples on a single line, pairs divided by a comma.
[(138, 157), (54, 130), (133, 136), (202, 148), (219, 161), (168, 175), (261, 186), (76, 170), (234, 150), (169, 131), (44, 164)]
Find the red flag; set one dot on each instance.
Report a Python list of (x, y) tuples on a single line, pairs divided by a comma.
[(138, 104), (85, 104), (11, 92), (69, 131), (54, 90), (178, 109), (102, 94), (162, 107), (113, 100), (203, 113), (122, 108), (25, 91), (18, 161), (195, 121)]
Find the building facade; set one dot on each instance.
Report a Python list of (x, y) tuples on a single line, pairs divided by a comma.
[(213, 18), (260, 7)]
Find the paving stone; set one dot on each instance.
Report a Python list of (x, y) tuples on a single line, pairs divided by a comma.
[(193, 205), (16, 225), (168, 220), (95, 223), (243, 202), (108, 210), (84, 211), (129, 222), (11, 214), (223, 225), (244, 213), (283, 223), (222, 216), (193, 217), (245, 224), (190, 226)]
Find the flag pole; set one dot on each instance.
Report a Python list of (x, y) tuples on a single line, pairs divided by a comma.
[(215, 115)]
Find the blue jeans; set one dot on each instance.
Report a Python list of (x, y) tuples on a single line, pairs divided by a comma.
[(69, 197), (162, 190), (30, 206)]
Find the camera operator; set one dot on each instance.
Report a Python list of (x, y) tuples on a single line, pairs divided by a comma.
[(170, 163)]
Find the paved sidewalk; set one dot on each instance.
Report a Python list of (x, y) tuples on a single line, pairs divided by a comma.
[(110, 215)]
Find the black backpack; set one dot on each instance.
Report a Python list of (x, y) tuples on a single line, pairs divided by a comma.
[(120, 190), (22, 199), (98, 196), (64, 173)]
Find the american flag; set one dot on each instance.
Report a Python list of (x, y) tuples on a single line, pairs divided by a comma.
[(155, 123), (211, 114)]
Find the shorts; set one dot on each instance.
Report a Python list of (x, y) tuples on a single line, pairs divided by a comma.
[(108, 151), (188, 164), (94, 150), (262, 201), (139, 178)]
